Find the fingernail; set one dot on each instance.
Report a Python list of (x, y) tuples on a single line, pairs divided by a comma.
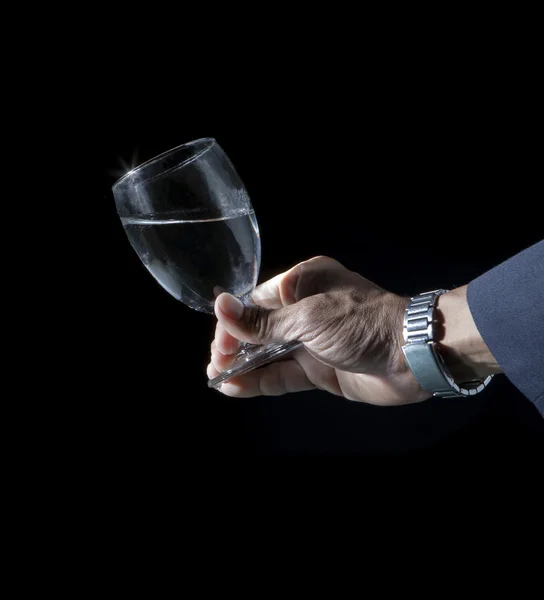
[(231, 306)]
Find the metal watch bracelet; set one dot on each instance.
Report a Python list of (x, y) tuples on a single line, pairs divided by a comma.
[(421, 353)]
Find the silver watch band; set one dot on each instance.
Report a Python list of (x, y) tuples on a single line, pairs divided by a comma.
[(421, 353)]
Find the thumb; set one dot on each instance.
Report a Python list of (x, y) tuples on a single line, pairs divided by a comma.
[(256, 324)]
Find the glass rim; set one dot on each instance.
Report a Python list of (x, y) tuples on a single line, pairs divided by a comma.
[(211, 141)]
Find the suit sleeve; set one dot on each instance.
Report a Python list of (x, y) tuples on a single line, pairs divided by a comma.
[(507, 305)]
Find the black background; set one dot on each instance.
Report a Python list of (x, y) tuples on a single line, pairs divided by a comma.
[(423, 195), (418, 176), (407, 146), (415, 161)]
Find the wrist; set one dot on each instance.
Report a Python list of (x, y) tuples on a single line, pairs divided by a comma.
[(459, 342)]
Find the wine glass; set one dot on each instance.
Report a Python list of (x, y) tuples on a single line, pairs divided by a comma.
[(189, 218)]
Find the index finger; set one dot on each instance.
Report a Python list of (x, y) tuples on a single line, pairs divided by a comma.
[(278, 291)]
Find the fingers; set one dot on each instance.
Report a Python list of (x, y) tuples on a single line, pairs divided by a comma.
[(299, 372), (282, 312), (224, 341), (212, 371), (319, 274), (284, 289), (275, 379), (218, 359), (256, 324), (278, 291)]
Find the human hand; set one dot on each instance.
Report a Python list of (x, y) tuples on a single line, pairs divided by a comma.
[(350, 327)]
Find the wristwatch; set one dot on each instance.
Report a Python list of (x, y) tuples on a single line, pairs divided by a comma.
[(422, 355)]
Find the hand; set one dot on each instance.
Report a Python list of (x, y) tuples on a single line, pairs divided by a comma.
[(350, 327)]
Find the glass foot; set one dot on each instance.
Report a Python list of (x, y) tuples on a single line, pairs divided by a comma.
[(251, 357)]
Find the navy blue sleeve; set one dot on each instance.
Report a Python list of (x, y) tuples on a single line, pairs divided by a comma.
[(507, 305)]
